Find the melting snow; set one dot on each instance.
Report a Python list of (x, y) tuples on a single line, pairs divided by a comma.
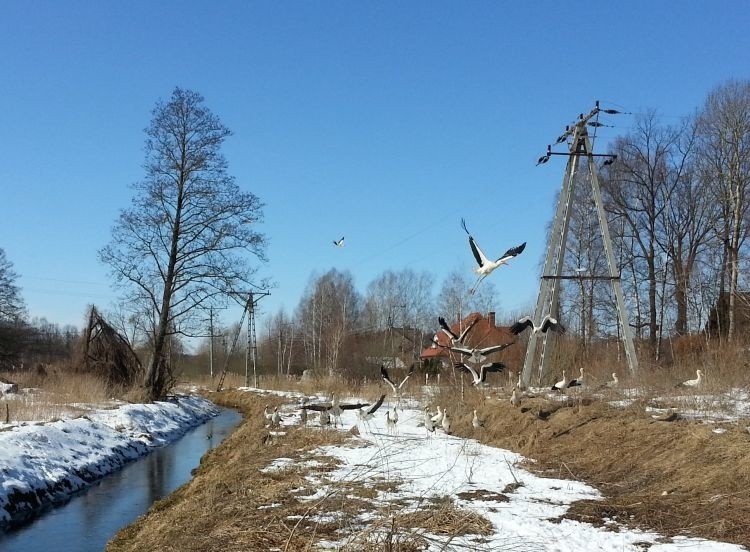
[(525, 509), (45, 462)]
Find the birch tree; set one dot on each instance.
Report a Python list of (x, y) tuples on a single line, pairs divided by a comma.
[(724, 135)]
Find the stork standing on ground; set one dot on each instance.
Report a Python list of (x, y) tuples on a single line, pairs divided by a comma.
[(390, 422), (476, 422), (268, 414), (481, 377), (577, 382), (275, 417), (515, 397), (615, 381), (562, 384), (446, 422), (697, 382), (548, 323), (486, 266), (437, 419), (428, 424), (303, 411)]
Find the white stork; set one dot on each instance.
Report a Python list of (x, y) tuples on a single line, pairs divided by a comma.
[(548, 323), (562, 384), (446, 422), (481, 377), (486, 266), (476, 422), (339, 243), (697, 382), (389, 381), (476, 354), (515, 398), (333, 408), (390, 422), (366, 415), (615, 381), (577, 382), (428, 423), (275, 417), (456, 339)]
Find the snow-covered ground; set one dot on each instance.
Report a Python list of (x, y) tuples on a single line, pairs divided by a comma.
[(525, 510), (45, 462)]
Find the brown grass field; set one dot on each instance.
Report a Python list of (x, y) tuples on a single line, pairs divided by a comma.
[(675, 477)]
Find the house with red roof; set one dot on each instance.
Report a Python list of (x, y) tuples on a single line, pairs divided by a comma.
[(484, 333)]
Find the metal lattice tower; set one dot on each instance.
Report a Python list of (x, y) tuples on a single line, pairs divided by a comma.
[(251, 353), (252, 346), (549, 287)]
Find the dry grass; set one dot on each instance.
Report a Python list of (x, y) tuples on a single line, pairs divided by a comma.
[(234, 503), (676, 478), (673, 477), (51, 396)]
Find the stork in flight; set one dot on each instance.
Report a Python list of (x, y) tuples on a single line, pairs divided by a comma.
[(456, 339), (389, 381), (481, 377), (366, 415), (548, 323), (476, 354), (339, 243), (486, 266), (333, 408)]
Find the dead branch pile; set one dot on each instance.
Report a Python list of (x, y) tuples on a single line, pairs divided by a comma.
[(106, 353)]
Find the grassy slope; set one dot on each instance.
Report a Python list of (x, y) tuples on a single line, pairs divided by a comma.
[(674, 477)]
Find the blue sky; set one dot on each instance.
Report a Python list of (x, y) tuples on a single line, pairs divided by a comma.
[(385, 122)]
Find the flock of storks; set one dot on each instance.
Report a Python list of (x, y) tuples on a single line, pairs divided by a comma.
[(331, 411)]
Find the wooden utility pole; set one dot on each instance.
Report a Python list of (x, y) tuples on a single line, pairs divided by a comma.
[(549, 287)]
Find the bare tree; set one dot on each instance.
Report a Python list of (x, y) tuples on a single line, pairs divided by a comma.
[(689, 222), (281, 333), (187, 238), (12, 306), (639, 187), (399, 298), (327, 313), (454, 301), (724, 134), (13, 329)]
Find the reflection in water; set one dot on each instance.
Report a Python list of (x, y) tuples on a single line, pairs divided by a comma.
[(91, 519)]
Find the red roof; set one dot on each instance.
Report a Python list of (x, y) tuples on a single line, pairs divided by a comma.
[(484, 333)]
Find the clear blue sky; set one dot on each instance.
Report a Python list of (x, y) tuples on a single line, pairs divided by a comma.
[(385, 122)]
